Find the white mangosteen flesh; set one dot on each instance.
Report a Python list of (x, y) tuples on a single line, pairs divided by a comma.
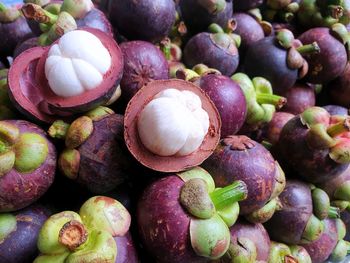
[(173, 123), (77, 63)]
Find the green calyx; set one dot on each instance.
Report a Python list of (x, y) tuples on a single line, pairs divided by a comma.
[(203, 70), (99, 113), (313, 230), (279, 253), (333, 212), (58, 129), (77, 9), (78, 132), (229, 214), (244, 251), (300, 254), (8, 224), (37, 13), (265, 213), (315, 115), (213, 7), (69, 163), (8, 15), (341, 228), (280, 181), (285, 38), (341, 204), (340, 153), (225, 39), (343, 192), (210, 238), (321, 203), (261, 102), (187, 74), (340, 251)]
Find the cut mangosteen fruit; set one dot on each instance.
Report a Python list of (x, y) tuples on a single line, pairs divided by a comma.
[(79, 72), (171, 125)]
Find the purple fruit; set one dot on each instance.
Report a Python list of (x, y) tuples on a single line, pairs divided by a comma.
[(26, 44), (198, 14), (339, 88), (273, 129), (229, 100), (96, 19), (313, 147), (336, 110), (13, 29), (331, 61), (126, 249), (300, 97), (28, 164), (244, 5), (149, 20), (216, 50), (95, 156), (323, 247), (240, 158), (20, 232), (296, 212), (143, 62), (192, 231)]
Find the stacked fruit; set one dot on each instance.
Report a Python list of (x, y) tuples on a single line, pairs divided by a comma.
[(174, 131)]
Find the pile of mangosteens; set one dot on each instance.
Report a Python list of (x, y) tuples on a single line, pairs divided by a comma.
[(174, 131)]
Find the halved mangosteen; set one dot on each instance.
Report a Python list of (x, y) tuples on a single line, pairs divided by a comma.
[(75, 74), (171, 125)]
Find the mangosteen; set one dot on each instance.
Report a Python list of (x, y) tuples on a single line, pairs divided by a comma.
[(272, 130), (301, 209), (245, 5), (126, 249), (240, 158), (199, 14), (77, 73), (193, 217), (261, 102), (279, 60), (314, 147), (19, 234), (336, 110), (330, 244), (26, 44), (7, 111), (228, 98), (323, 13), (248, 241), (143, 62), (87, 236), (13, 29), (281, 253), (149, 20), (332, 59), (299, 98), (27, 164), (95, 154), (171, 125), (217, 50), (338, 89)]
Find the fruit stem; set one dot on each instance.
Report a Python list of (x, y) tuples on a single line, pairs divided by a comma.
[(237, 191), (277, 101), (339, 128), (73, 234), (58, 129), (333, 212), (335, 11), (309, 49), (165, 47), (37, 13)]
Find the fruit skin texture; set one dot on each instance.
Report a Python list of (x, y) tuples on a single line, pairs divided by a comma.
[(23, 46), (240, 158), (126, 249), (144, 20), (143, 62), (273, 129), (197, 18), (300, 97), (160, 201), (313, 165), (20, 245), (266, 59), (332, 59), (244, 5), (321, 249), (202, 48), (96, 19), (229, 99), (18, 190), (339, 88), (296, 198)]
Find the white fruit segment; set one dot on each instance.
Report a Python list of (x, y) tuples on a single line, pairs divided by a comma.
[(173, 123), (76, 63)]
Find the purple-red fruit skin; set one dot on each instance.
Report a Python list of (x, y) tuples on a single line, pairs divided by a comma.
[(332, 59), (202, 49), (314, 166), (20, 190), (126, 249), (249, 29), (287, 225), (163, 223), (300, 97), (266, 59), (322, 248), (244, 5), (96, 19), (143, 62), (254, 166), (336, 110), (339, 88), (20, 246), (149, 20), (273, 129), (197, 18), (254, 232), (103, 157), (229, 99), (23, 46)]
